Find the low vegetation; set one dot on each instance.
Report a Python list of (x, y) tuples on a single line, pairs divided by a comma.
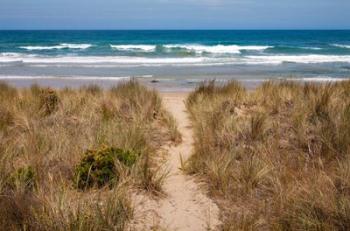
[(276, 158), (69, 158), (98, 167)]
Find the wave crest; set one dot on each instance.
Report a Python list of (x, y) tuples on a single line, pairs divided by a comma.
[(341, 46), (126, 60), (57, 47), (143, 48), (214, 49), (217, 49)]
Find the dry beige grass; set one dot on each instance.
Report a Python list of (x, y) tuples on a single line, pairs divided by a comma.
[(44, 134), (275, 158)]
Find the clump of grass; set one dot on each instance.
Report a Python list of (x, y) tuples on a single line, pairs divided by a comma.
[(24, 178), (205, 89), (276, 157), (48, 101), (6, 118), (7, 92), (148, 178), (257, 124), (145, 103), (208, 91), (108, 110), (171, 123), (92, 89), (49, 130)]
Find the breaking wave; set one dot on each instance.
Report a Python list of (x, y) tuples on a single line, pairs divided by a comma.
[(57, 47)]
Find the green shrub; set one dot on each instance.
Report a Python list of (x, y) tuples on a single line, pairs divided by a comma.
[(24, 177), (97, 168)]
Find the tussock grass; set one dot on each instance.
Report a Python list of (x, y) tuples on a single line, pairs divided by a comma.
[(47, 136), (277, 157)]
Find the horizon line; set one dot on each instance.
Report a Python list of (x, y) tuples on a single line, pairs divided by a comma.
[(209, 29)]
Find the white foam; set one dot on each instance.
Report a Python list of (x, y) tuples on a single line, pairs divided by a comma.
[(76, 46), (216, 49), (34, 59), (341, 46), (87, 78), (143, 48), (312, 48), (318, 79), (278, 59), (145, 76), (10, 54), (8, 58), (61, 46)]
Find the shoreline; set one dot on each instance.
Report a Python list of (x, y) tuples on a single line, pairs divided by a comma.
[(159, 84)]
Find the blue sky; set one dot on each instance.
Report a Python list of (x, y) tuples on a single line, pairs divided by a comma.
[(175, 14)]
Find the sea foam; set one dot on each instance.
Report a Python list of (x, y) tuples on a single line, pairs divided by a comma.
[(25, 58), (319, 79), (217, 49), (198, 60), (57, 47), (144, 48), (279, 59), (341, 46), (88, 78)]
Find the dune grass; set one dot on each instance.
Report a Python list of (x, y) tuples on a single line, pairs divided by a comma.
[(69, 158), (276, 158)]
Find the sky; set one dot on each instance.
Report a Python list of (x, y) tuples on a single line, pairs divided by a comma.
[(174, 14)]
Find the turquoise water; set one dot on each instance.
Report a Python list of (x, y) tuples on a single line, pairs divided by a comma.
[(175, 56)]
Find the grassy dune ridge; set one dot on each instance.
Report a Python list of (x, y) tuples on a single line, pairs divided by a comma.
[(46, 134), (277, 157)]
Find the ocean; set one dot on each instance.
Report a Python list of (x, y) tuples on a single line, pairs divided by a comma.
[(172, 59)]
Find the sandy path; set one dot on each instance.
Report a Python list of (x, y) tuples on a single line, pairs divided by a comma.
[(186, 206)]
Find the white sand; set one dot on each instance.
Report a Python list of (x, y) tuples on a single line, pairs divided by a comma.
[(186, 205)]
